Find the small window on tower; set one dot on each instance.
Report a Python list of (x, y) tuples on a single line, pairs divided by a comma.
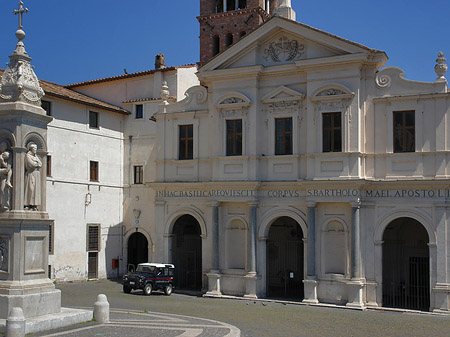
[(216, 45), (229, 39), (242, 34), (242, 4), (231, 5), (219, 6)]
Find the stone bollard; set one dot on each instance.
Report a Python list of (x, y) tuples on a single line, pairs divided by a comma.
[(101, 309), (15, 323)]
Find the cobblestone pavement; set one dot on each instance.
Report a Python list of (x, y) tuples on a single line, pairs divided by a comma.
[(133, 323), (258, 318)]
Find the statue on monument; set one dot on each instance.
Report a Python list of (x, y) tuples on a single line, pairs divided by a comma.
[(5, 177), (32, 178)]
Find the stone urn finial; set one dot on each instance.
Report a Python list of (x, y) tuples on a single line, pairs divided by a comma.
[(441, 67), (164, 94)]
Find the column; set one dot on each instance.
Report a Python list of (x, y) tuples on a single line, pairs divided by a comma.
[(224, 5), (215, 237), (312, 241), (311, 283), (252, 240), (251, 276), (356, 244), (356, 285), (214, 274)]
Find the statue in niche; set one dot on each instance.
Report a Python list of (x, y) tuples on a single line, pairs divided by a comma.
[(32, 178), (5, 177)]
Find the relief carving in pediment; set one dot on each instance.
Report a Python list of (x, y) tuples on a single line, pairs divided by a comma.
[(284, 49)]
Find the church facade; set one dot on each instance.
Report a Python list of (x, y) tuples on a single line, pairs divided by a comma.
[(290, 164)]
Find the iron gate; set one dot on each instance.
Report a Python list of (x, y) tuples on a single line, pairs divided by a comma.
[(406, 277), (187, 257), (285, 268)]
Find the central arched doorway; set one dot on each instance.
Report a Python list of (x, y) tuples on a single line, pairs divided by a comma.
[(137, 250), (406, 265), (285, 259), (187, 253)]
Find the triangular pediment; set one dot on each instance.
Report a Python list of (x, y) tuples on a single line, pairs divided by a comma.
[(283, 93), (280, 41)]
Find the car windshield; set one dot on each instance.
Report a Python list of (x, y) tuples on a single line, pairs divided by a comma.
[(145, 268)]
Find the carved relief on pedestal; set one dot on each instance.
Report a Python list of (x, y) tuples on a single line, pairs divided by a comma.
[(6, 187), (4, 254)]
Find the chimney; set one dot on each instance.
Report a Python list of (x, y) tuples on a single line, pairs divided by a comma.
[(160, 61)]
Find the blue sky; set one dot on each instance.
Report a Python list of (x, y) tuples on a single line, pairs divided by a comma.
[(73, 41)]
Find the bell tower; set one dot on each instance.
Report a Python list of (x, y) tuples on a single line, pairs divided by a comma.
[(224, 22)]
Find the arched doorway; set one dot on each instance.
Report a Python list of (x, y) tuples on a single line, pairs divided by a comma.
[(285, 259), (406, 265), (137, 249), (187, 253)]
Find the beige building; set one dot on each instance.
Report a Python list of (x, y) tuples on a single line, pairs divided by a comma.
[(291, 164)]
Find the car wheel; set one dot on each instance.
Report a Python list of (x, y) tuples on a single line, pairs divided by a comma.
[(127, 289), (148, 289), (168, 290)]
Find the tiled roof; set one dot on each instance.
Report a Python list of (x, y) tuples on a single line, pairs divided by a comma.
[(171, 98), (121, 77), (58, 91)]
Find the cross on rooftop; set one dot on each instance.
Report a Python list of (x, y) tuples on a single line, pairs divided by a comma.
[(20, 11)]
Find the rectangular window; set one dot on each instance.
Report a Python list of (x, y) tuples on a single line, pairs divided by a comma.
[(234, 137), (93, 238), (332, 132), (50, 239), (93, 170), (139, 111), (404, 131), (47, 106), (186, 142), (138, 174), (49, 166), (283, 136), (93, 119)]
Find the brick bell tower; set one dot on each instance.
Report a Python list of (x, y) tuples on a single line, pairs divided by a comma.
[(224, 22)]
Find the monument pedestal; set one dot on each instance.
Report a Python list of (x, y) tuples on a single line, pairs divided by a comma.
[(24, 282)]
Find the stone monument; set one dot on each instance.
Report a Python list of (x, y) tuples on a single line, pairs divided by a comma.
[(24, 222)]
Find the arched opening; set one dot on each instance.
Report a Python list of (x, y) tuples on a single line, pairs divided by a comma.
[(231, 5), (219, 6), (229, 39), (137, 249), (333, 249), (406, 265), (242, 34), (285, 259), (216, 45), (242, 4), (236, 245), (187, 253)]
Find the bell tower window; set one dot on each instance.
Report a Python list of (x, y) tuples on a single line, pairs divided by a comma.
[(229, 39), (216, 45)]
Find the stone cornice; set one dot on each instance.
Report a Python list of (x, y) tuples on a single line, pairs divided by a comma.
[(414, 97)]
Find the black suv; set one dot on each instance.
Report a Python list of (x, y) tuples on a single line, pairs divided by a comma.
[(149, 277)]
